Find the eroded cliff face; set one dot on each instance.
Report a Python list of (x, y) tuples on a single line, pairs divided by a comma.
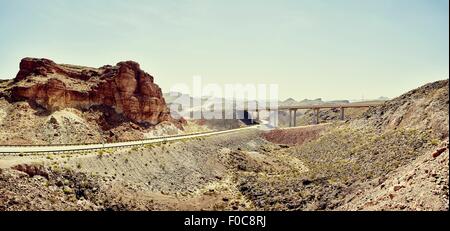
[(124, 87)]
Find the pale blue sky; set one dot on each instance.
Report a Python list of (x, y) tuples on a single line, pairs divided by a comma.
[(334, 49)]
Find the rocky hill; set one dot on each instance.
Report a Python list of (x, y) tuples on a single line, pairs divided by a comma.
[(392, 157), (107, 101), (424, 108)]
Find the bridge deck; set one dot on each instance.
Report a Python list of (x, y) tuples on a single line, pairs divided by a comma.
[(300, 107), (325, 106)]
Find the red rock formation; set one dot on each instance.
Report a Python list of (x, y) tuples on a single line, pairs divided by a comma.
[(35, 67), (124, 87)]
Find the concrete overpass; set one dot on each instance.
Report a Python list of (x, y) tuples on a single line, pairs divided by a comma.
[(294, 108)]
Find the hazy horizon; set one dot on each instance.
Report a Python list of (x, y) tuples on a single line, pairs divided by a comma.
[(346, 49)]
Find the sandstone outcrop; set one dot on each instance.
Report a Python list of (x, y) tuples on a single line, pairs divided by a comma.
[(124, 87)]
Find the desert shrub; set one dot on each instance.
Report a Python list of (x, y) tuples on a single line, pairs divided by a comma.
[(348, 154), (100, 153)]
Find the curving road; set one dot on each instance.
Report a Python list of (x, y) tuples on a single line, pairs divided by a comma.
[(77, 148)]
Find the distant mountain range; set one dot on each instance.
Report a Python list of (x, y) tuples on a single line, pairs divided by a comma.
[(318, 101), (171, 97)]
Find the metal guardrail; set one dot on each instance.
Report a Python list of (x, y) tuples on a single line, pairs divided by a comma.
[(112, 142), (111, 145)]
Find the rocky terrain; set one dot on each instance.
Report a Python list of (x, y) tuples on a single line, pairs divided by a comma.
[(420, 185), (424, 108), (295, 135), (370, 163), (373, 162), (192, 174), (59, 103)]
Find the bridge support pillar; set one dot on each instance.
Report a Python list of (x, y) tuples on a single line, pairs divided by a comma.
[(317, 116), (342, 114), (295, 118), (290, 118)]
